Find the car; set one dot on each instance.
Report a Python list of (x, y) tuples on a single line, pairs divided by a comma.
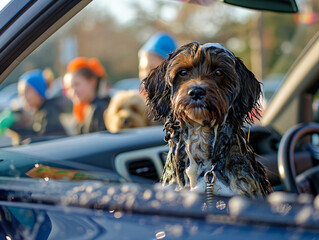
[(271, 85), (126, 84), (105, 186)]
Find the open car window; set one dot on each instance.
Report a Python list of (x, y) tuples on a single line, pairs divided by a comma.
[(103, 32), (110, 178)]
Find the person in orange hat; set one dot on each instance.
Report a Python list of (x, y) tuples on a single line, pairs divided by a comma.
[(81, 83)]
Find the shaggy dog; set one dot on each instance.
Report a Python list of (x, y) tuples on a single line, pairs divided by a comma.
[(127, 109), (206, 96)]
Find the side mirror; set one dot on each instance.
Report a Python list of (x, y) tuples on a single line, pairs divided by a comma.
[(287, 6)]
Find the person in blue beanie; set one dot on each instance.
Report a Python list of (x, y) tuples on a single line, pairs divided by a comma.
[(32, 87), (154, 51), (44, 120)]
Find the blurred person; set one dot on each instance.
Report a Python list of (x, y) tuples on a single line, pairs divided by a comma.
[(154, 52), (38, 116), (82, 85)]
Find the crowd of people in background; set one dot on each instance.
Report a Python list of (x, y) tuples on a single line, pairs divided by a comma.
[(85, 97)]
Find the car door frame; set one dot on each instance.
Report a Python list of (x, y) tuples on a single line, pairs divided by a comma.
[(28, 24)]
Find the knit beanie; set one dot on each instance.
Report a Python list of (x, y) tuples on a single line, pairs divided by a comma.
[(36, 80), (91, 63), (161, 44)]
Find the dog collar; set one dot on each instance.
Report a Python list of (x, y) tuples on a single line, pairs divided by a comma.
[(218, 45)]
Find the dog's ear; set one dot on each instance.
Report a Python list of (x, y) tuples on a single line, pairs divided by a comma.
[(247, 106), (157, 91)]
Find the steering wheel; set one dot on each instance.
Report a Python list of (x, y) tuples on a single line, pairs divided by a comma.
[(286, 165)]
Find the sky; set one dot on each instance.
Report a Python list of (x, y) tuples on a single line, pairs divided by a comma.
[(123, 13), (3, 3)]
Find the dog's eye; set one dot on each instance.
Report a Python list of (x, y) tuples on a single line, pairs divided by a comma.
[(134, 109), (219, 73), (182, 73)]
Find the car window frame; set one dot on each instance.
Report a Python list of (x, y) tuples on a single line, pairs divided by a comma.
[(31, 28), (12, 11)]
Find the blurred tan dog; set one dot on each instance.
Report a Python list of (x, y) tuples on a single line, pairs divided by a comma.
[(127, 109)]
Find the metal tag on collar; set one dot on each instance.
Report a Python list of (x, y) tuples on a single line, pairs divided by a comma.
[(210, 178)]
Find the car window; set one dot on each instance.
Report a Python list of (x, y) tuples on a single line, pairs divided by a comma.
[(103, 32), (58, 143), (114, 32)]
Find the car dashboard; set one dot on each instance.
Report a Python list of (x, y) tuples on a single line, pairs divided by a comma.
[(140, 152)]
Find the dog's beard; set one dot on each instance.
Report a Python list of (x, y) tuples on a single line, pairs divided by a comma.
[(205, 111), (198, 113)]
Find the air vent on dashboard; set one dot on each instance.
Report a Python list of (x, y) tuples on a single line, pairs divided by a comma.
[(143, 168)]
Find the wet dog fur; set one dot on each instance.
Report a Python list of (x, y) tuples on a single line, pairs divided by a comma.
[(206, 96)]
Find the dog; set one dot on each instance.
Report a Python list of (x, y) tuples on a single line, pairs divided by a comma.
[(127, 109), (206, 96)]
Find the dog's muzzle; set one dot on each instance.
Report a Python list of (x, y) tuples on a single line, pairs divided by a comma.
[(197, 93)]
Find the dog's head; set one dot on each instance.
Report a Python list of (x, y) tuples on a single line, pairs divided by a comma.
[(127, 109), (204, 84)]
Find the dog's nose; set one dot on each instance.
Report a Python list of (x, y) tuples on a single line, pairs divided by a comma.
[(125, 121), (197, 93)]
